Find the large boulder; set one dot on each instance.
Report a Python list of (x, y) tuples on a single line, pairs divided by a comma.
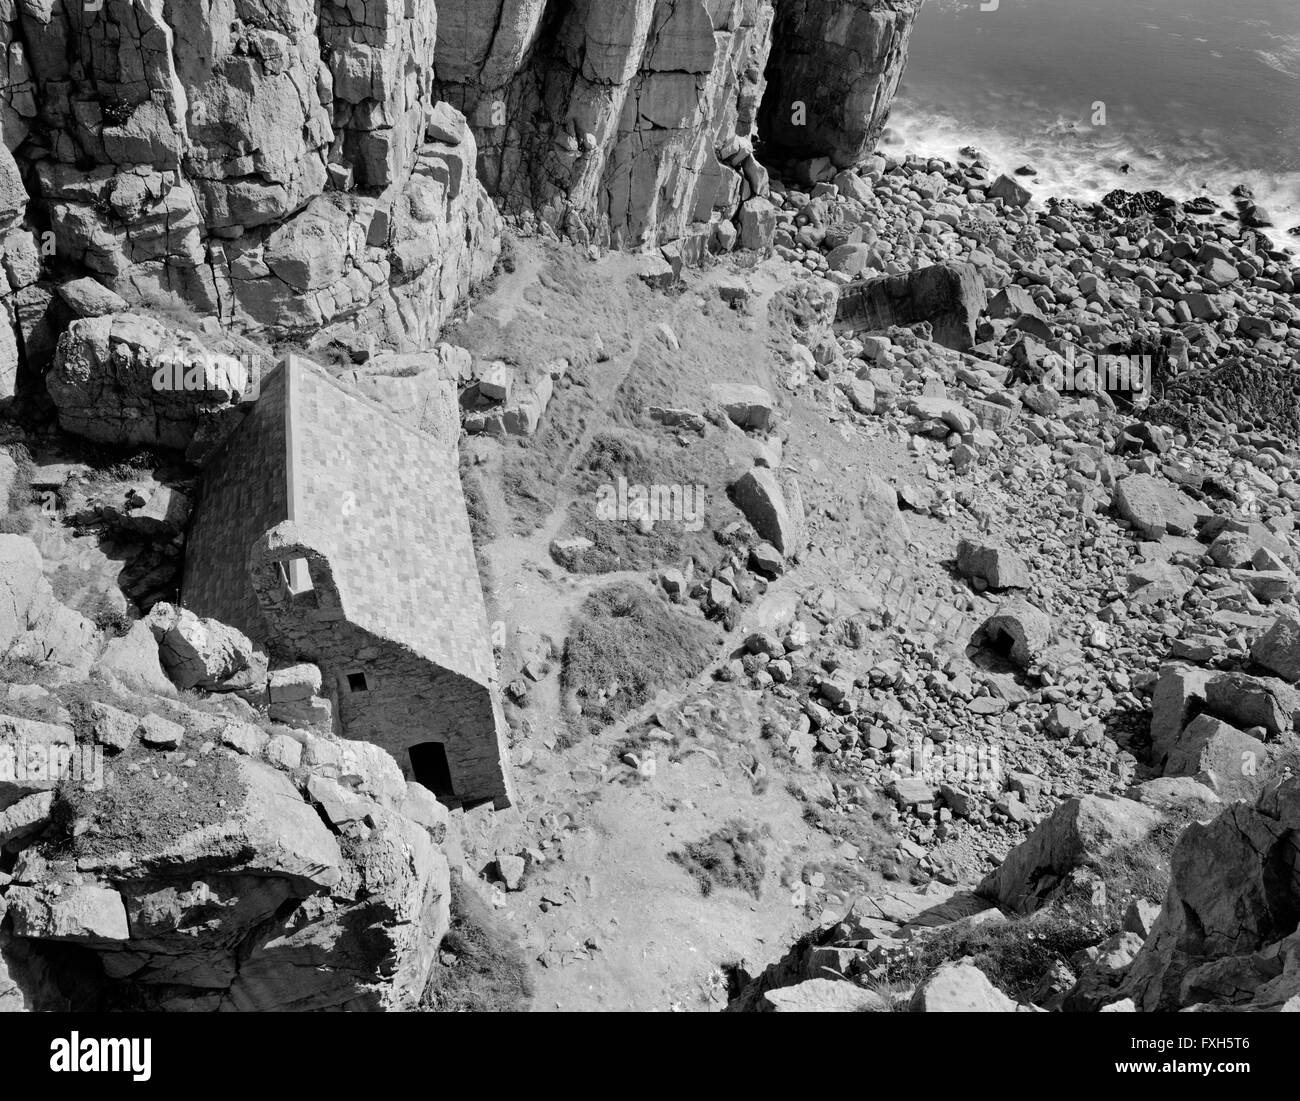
[(882, 522), (34, 626), (264, 829), (203, 653), (84, 913), (757, 224), (1009, 191), (1278, 648), (949, 296), (20, 578), (132, 661), (34, 757), (316, 884), (1229, 762), (996, 565), (960, 987), (1079, 833), (1226, 936), (820, 996), (1154, 506), (1247, 701), (747, 406), (774, 508), (129, 380), (1178, 697)]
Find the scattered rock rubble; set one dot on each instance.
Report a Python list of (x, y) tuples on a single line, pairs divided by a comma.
[(1127, 577), (1057, 667)]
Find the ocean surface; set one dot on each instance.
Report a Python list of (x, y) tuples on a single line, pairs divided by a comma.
[(1199, 95)]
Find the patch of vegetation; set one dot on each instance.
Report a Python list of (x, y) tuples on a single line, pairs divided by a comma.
[(27, 670), (482, 526), (19, 522), (112, 622), (627, 644), (894, 998), (528, 484), (150, 808), (867, 829), (488, 972), (1014, 954), (683, 486), (1141, 870), (112, 470), (733, 856), (20, 509), (117, 112)]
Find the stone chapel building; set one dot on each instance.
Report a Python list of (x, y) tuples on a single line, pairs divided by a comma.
[(331, 532)]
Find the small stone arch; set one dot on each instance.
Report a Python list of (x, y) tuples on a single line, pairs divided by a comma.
[(274, 564)]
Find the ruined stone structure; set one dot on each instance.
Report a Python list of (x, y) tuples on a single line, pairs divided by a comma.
[(335, 534)]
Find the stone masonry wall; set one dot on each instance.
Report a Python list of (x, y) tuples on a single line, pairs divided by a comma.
[(412, 700)]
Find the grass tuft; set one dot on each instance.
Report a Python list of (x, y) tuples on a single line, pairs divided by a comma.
[(487, 972), (626, 644), (733, 856)]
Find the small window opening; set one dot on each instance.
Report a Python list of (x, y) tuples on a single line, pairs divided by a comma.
[(357, 682), (298, 576)]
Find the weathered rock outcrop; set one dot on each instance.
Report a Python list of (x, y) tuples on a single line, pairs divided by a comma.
[(832, 74), (300, 171), (34, 627), (1078, 833), (284, 168), (320, 888), (160, 854), (128, 379), (627, 122), (1227, 936)]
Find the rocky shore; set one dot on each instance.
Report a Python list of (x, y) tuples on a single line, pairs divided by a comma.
[(1131, 548), (882, 559)]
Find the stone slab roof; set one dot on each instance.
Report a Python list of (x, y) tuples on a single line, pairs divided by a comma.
[(381, 500)]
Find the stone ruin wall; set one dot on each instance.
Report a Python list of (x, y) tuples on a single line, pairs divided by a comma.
[(411, 700)]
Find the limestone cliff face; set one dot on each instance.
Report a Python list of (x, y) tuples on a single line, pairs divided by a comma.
[(833, 71)]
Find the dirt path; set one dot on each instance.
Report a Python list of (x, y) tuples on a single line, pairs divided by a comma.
[(614, 920)]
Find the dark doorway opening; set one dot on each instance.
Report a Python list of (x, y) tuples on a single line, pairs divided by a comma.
[(431, 768)]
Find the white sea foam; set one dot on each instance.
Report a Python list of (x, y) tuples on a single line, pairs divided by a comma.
[(1079, 161)]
